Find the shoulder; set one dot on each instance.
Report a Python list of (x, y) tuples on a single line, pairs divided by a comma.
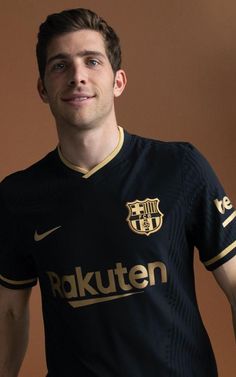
[(172, 156), (144, 142), (179, 150), (27, 179), (38, 167)]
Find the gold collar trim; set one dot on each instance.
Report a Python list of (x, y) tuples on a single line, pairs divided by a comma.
[(86, 173)]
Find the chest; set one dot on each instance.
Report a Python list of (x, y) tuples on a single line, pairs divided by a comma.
[(130, 216)]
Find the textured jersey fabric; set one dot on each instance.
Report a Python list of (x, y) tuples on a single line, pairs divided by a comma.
[(113, 252)]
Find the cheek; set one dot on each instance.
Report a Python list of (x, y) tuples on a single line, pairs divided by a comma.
[(55, 83), (53, 92), (108, 88)]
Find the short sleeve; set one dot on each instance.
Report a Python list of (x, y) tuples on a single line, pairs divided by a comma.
[(211, 217), (17, 270)]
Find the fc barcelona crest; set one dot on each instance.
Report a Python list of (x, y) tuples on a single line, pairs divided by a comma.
[(145, 216)]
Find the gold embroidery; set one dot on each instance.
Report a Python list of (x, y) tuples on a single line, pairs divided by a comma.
[(144, 216)]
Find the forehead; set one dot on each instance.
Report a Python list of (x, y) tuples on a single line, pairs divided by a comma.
[(76, 41)]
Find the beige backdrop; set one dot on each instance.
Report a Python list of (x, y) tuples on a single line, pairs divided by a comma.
[(180, 57)]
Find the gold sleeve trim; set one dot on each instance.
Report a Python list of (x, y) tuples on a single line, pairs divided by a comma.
[(17, 282), (229, 219), (86, 173), (223, 253)]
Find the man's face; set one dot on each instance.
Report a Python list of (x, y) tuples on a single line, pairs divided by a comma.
[(79, 83)]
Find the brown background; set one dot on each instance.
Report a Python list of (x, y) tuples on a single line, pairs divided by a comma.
[(180, 57)]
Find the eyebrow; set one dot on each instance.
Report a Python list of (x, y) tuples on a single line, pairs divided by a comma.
[(80, 54)]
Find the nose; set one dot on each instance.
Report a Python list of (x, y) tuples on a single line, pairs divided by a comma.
[(77, 75)]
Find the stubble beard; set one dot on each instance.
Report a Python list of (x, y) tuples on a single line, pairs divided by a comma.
[(91, 119)]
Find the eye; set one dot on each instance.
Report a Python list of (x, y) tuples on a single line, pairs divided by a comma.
[(59, 67), (93, 62)]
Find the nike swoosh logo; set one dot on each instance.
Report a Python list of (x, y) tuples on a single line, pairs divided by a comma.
[(40, 237)]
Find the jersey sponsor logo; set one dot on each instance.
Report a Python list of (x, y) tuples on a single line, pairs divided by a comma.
[(145, 216), (83, 289), (223, 207), (41, 236)]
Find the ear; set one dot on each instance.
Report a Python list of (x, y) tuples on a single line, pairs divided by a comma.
[(42, 91), (120, 82)]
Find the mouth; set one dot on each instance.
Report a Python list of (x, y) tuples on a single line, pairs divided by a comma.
[(78, 99)]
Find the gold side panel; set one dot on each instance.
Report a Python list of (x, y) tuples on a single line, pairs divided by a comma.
[(17, 282), (222, 254), (80, 303)]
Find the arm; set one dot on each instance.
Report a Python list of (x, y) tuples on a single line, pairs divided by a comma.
[(225, 275), (14, 324)]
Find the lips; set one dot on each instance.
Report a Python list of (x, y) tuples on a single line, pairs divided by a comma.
[(75, 98)]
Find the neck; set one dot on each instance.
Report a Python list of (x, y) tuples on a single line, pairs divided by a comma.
[(87, 148)]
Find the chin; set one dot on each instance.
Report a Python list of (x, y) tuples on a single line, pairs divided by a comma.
[(82, 125)]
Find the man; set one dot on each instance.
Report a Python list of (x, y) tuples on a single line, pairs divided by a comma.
[(107, 222)]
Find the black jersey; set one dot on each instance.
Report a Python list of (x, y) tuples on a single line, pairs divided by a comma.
[(113, 252)]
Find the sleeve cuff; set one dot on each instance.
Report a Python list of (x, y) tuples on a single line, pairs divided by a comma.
[(17, 284), (222, 257)]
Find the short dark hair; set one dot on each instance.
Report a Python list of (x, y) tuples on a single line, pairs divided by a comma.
[(74, 20)]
